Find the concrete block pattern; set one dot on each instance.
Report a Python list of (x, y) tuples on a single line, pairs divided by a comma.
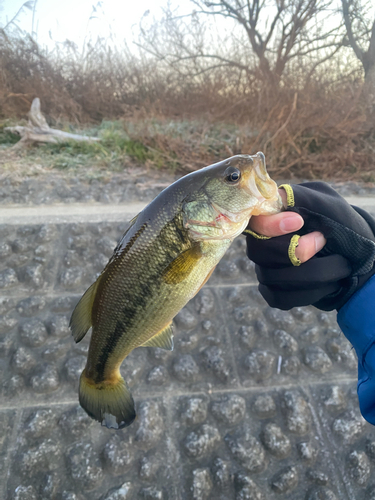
[(253, 403)]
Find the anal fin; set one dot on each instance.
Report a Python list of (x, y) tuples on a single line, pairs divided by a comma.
[(163, 339)]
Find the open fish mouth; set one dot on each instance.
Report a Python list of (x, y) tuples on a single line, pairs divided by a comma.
[(262, 186), (263, 190), (260, 166)]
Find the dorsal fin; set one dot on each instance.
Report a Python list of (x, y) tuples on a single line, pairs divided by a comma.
[(163, 339), (81, 321), (119, 244), (180, 268)]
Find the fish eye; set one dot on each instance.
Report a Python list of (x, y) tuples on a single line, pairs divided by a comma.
[(232, 175)]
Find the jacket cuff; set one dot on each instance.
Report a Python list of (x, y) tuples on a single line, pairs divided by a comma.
[(366, 386), (357, 319)]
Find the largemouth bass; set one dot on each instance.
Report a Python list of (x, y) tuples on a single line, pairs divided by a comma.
[(167, 254)]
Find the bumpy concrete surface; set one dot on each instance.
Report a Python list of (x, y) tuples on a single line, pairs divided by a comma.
[(252, 404)]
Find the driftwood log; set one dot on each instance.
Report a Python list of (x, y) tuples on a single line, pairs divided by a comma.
[(38, 130)]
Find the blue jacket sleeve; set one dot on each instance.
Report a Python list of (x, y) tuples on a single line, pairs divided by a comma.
[(357, 321)]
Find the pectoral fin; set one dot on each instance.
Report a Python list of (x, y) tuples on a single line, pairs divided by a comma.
[(163, 339), (180, 268), (207, 278)]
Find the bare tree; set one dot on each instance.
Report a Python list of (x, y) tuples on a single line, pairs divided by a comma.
[(278, 30), (360, 29), (271, 34)]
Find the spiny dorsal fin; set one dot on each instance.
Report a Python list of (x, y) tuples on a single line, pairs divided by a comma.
[(180, 268), (163, 339), (80, 321), (132, 222), (120, 243)]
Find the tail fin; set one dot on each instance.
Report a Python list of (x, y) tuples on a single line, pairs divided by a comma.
[(110, 403)]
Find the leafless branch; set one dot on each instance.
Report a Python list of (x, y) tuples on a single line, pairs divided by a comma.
[(348, 25), (361, 32)]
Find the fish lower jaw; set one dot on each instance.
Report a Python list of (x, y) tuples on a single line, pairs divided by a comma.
[(270, 207)]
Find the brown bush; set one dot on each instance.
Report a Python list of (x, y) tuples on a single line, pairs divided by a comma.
[(308, 128)]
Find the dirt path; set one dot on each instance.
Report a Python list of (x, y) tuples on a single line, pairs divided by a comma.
[(93, 212)]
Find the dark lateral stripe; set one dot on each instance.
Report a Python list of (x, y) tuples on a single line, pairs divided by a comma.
[(128, 314), (112, 340), (108, 349), (181, 232), (172, 238)]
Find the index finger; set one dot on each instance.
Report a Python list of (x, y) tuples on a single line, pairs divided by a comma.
[(276, 225), (279, 224)]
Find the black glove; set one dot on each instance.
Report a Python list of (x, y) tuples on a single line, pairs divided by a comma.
[(331, 277)]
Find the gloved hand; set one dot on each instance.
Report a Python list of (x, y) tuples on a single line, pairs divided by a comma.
[(340, 268)]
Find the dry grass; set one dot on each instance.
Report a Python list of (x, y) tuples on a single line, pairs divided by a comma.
[(320, 128)]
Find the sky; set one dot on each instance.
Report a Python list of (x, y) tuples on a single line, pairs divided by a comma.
[(52, 21), (56, 21)]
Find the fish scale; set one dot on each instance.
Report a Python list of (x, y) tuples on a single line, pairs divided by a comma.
[(161, 262), (164, 303)]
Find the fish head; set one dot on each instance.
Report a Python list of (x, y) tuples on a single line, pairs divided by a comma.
[(231, 192)]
